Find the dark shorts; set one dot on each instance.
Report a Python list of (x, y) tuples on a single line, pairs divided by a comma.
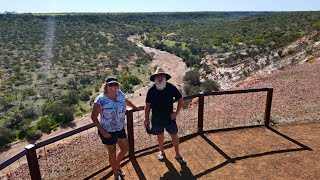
[(172, 128), (114, 137)]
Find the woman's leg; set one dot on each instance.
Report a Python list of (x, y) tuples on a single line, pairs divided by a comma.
[(112, 158), (124, 147)]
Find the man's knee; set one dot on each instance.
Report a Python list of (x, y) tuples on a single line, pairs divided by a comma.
[(174, 136)]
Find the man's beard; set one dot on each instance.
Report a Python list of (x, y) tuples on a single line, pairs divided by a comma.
[(160, 85)]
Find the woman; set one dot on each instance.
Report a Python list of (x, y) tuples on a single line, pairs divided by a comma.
[(111, 105)]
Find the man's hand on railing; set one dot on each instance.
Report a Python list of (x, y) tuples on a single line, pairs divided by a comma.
[(139, 108)]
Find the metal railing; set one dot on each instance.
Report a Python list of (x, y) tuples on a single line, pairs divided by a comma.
[(31, 153)]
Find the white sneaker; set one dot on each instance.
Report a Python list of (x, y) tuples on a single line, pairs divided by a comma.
[(161, 156)]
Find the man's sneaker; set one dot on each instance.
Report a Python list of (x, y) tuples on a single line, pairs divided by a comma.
[(181, 160), (117, 177), (161, 156)]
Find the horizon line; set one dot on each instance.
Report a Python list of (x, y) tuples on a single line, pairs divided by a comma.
[(122, 12)]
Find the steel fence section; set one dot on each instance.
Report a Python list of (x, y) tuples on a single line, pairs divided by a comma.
[(234, 110), (187, 120), (69, 158), (16, 170)]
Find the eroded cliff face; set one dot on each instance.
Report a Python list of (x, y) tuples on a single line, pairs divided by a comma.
[(229, 75)]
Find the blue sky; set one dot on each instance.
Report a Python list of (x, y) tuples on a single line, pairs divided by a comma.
[(50, 6)]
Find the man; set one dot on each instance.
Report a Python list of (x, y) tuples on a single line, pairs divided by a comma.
[(160, 99)]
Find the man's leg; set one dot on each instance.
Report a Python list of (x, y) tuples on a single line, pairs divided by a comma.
[(160, 141), (175, 142), (172, 129)]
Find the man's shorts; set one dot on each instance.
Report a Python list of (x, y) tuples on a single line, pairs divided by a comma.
[(114, 137), (172, 128)]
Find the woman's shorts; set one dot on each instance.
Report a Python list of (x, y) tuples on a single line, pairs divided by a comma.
[(114, 137)]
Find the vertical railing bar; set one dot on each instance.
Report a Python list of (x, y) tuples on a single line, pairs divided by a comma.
[(200, 112), (138, 145), (227, 108), (219, 119), (206, 117), (239, 121), (230, 123), (268, 107), (130, 133), (33, 162)]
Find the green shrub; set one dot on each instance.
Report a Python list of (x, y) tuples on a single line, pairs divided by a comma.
[(6, 103), (85, 95), (33, 134), (130, 79), (60, 112), (29, 113), (210, 85), (192, 78), (190, 90), (311, 58), (127, 88), (71, 98), (14, 121), (45, 124), (6, 136), (185, 104)]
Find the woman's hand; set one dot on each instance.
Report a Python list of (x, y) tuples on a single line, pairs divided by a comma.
[(106, 134)]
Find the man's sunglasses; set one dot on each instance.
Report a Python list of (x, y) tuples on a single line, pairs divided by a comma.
[(113, 84)]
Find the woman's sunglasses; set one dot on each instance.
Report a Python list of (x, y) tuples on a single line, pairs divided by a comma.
[(113, 84)]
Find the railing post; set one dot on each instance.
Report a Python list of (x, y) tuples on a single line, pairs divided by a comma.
[(130, 133), (33, 162), (200, 112), (268, 108)]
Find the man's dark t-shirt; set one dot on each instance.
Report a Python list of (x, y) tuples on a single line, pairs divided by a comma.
[(162, 103)]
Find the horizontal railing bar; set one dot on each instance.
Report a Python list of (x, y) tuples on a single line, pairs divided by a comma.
[(191, 97), (64, 135), (12, 159), (236, 91), (134, 110)]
